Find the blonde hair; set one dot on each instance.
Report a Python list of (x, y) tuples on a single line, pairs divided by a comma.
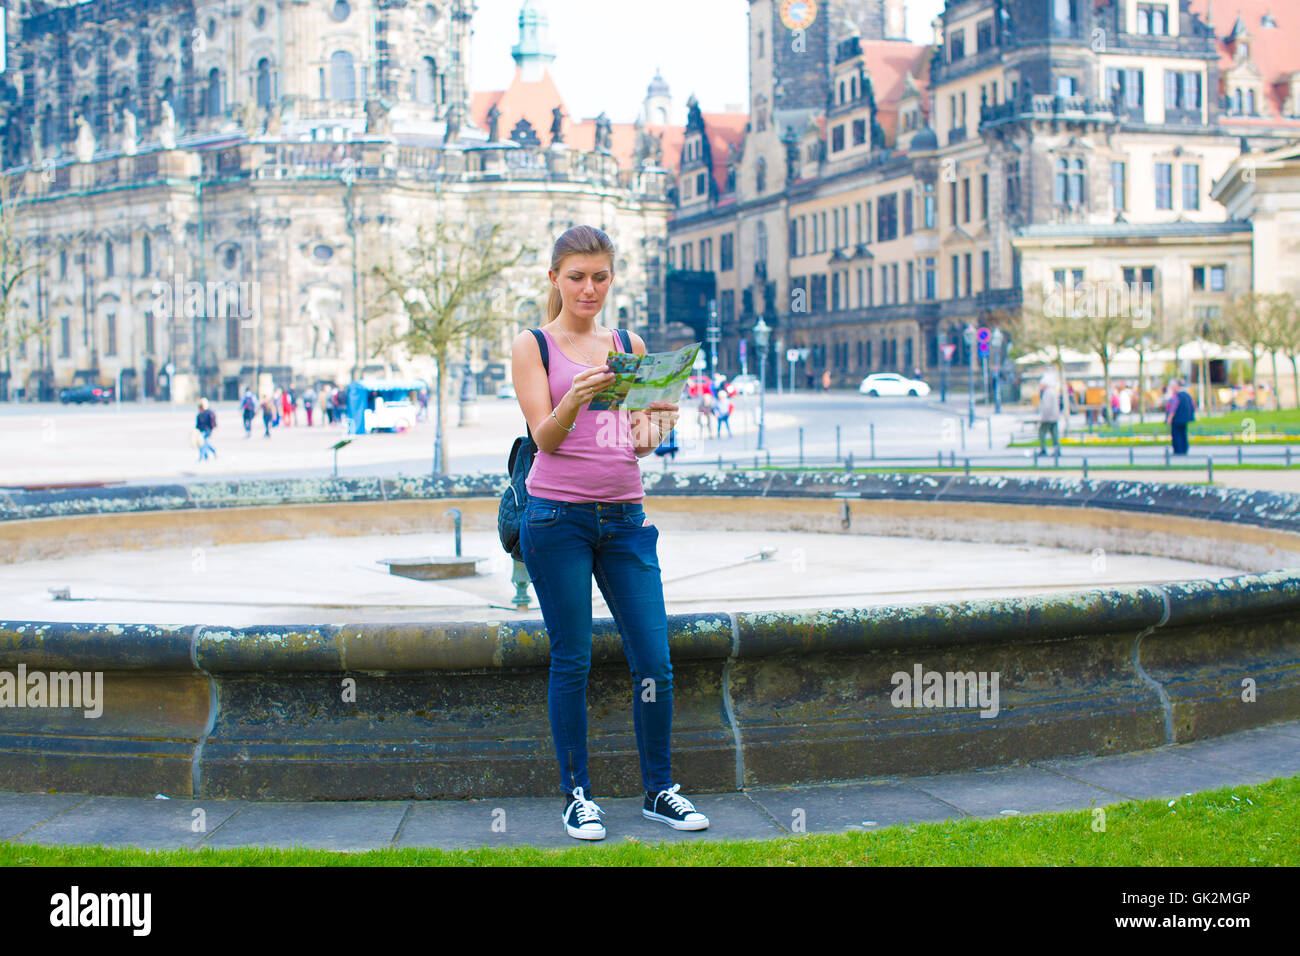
[(578, 241)]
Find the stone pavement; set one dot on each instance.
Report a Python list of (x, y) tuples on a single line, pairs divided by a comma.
[(1240, 759)]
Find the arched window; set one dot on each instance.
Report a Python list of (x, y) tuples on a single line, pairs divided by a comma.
[(761, 174), (264, 82), (108, 257), (212, 95), (1061, 183), (343, 79), (426, 90), (146, 250)]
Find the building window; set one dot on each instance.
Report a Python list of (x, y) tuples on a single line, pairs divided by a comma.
[(65, 337), (837, 138), (984, 196), (966, 261), (146, 255), (108, 258), (1153, 19), (263, 84), (1209, 278), (957, 46), (929, 206), (930, 284), (688, 262), (887, 217), (1191, 186), (956, 277), (1117, 190), (983, 36), (965, 199), (761, 235), (1144, 275), (818, 302), (1182, 90), (110, 342), (907, 212), (986, 270), (859, 132), (1065, 86), (1126, 85), (911, 281), (1164, 186), (343, 80), (706, 255), (726, 253), (952, 196)]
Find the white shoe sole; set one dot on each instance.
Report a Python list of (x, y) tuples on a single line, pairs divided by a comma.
[(580, 834), (675, 824)]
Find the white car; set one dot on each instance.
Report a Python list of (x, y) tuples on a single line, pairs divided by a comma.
[(397, 416), (890, 385), (746, 384)]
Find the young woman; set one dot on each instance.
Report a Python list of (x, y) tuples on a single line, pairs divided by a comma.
[(585, 515)]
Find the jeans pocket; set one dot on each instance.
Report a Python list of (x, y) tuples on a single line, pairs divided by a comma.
[(636, 519), (538, 516)]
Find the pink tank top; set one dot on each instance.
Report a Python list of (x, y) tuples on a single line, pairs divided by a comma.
[(596, 461)]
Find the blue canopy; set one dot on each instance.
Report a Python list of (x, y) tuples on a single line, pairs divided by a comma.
[(361, 396)]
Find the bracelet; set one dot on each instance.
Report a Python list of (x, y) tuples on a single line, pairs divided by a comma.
[(561, 424)]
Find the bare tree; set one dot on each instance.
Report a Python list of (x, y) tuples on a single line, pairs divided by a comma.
[(451, 288), (1290, 338), (17, 262), (1277, 308), (1044, 323), (1247, 321)]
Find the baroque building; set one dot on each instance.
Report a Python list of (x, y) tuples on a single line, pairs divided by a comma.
[(205, 186), (889, 194)]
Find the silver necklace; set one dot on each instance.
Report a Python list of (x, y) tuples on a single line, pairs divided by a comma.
[(575, 345)]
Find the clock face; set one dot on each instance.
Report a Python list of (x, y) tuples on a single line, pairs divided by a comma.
[(798, 14)]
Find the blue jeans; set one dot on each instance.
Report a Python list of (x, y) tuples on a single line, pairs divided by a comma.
[(563, 544), (206, 448)]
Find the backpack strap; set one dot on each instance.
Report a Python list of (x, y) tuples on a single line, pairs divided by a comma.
[(626, 339), (546, 364)]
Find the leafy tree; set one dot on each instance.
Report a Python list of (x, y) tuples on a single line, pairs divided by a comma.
[(1247, 321), (16, 263), (450, 287)]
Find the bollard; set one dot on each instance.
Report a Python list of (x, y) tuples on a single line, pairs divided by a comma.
[(849, 465), (1130, 456), (1239, 454), (873, 440), (1085, 469), (1166, 456), (952, 460), (837, 442), (455, 513), (967, 467), (1209, 469), (962, 423), (990, 423), (940, 459), (769, 458), (800, 447)]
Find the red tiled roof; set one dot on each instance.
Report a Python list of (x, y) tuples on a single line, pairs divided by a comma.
[(1275, 50), (535, 100), (888, 62)]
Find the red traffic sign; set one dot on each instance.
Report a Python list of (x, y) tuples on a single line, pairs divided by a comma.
[(948, 351)]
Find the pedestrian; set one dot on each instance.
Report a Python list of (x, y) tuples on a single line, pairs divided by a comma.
[(1125, 401), (308, 403), (722, 408), (423, 414), (704, 412), (338, 406), (286, 407), (206, 423), (826, 380), (1180, 412), (278, 402), (1049, 414), (268, 413), (585, 513), (1114, 406), (249, 407)]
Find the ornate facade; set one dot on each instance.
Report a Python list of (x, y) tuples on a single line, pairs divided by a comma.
[(890, 194), (206, 185)]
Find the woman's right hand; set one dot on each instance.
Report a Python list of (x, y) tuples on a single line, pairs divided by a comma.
[(588, 384)]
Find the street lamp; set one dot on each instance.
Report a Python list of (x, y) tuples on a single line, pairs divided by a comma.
[(762, 335), (969, 335), (996, 362)]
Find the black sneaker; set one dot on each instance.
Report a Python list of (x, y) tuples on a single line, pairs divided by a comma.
[(582, 817), (670, 807)]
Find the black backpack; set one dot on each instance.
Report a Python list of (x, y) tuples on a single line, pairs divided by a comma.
[(515, 498)]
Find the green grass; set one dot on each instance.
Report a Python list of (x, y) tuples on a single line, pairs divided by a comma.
[(1270, 426), (1235, 826)]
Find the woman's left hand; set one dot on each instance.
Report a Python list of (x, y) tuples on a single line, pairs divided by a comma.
[(664, 416)]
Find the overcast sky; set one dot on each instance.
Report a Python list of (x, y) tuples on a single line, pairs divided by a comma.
[(607, 50)]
